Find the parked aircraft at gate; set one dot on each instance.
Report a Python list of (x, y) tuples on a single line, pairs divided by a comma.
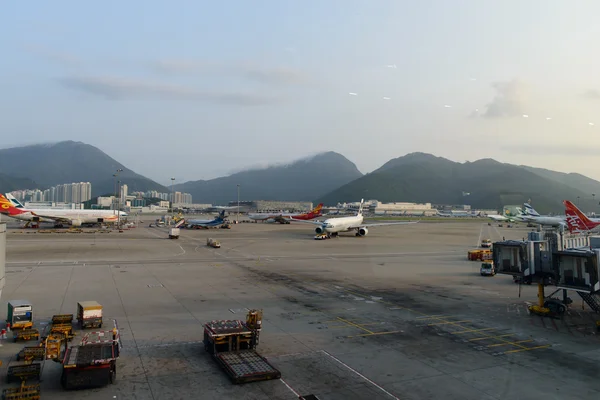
[(282, 217), (334, 226), (199, 223), (58, 217), (577, 221)]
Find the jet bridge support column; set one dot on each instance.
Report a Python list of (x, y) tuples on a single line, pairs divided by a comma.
[(2, 255)]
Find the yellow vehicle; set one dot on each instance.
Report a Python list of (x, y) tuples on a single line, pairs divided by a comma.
[(486, 243), (20, 314)]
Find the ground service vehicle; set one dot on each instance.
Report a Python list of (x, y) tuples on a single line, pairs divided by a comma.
[(20, 314), (23, 370), (26, 334), (29, 392), (174, 233), (486, 243), (89, 314), (232, 343), (31, 353), (322, 236), (63, 324), (487, 269), (213, 243), (93, 363)]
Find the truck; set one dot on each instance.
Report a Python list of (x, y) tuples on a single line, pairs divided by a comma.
[(232, 343), (92, 363), (486, 243), (89, 314), (174, 233), (20, 314)]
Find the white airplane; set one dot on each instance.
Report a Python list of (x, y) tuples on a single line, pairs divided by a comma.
[(333, 226), (532, 216), (508, 217), (16, 210)]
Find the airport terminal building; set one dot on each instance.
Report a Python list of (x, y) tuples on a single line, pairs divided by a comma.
[(272, 206)]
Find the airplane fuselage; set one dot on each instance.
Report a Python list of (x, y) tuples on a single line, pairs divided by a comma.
[(343, 224), (546, 221), (81, 216)]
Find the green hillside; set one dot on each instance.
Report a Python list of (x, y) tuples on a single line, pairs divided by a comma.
[(422, 177)]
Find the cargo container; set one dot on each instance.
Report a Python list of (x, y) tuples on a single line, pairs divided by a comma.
[(20, 314), (89, 314)]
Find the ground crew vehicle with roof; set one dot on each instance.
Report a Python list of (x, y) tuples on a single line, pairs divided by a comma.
[(20, 314), (89, 314)]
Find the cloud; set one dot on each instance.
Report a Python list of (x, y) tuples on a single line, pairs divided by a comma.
[(250, 71), (592, 94), (510, 100), (60, 57), (119, 88), (566, 150)]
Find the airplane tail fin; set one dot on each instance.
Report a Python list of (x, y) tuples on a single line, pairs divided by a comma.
[(317, 209), (7, 207), (530, 211), (576, 220), (14, 200), (360, 208), (221, 215)]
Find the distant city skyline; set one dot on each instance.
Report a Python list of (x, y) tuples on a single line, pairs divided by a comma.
[(76, 192)]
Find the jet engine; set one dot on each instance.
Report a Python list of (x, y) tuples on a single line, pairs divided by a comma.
[(363, 232), (76, 223), (319, 230)]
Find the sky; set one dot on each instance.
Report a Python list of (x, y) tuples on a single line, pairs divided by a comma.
[(199, 89)]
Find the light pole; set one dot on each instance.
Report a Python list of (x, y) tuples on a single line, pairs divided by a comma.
[(172, 199), (238, 205), (115, 182), (119, 207)]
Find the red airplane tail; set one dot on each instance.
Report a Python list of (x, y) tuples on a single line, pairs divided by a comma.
[(317, 209), (576, 220)]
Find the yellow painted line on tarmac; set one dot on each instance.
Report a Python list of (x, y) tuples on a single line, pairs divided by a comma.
[(490, 337), (373, 334), (435, 316), (528, 349), (456, 323), (472, 330), (355, 325), (510, 343), (449, 322)]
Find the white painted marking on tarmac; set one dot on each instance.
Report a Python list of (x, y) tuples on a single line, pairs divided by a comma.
[(290, 388), (182, 249), (359, 374), (480, 234)]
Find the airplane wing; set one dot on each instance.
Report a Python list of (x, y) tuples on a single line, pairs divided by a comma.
[(309, 221), (53, 217), (383, 224)]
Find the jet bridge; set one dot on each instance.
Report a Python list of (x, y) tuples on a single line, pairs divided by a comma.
[(530, 261), (579, 270)]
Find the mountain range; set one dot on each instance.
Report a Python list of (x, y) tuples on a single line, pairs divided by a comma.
[(66, 162), (327, 177), (302, 180)]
